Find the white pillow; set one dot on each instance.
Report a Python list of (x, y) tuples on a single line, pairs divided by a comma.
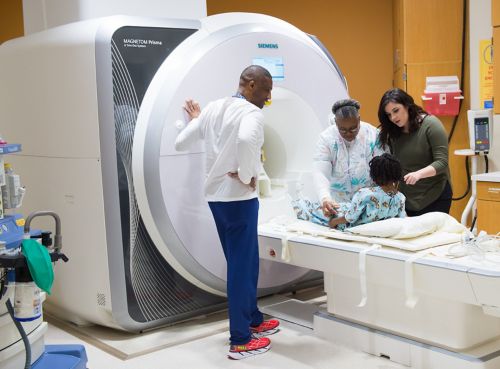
[(451, 225), (409, 227), (382, 228), (420, 225)]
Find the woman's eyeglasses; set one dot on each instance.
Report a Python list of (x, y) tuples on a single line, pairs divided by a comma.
[(350, 130)]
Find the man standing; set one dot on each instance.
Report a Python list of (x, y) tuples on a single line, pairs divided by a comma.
[(233, 131)]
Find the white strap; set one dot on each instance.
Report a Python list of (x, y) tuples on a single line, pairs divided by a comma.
[(285, 250), (411, 299), (362, 273)]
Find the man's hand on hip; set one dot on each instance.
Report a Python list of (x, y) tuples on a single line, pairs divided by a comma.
[(252, 184)]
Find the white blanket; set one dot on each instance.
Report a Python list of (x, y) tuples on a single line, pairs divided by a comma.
[(412, 233)]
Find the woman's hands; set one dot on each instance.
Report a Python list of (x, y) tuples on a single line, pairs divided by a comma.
[(414, 177), (329, 207)]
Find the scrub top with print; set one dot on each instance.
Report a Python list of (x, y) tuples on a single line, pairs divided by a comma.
[(368, 205), (341, 167)]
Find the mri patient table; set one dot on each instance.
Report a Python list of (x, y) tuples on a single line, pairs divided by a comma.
[(422, 309)]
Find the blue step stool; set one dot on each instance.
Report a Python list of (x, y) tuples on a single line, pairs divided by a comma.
[(62, 357)]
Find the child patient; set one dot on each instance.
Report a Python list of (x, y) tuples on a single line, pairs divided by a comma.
[(368, 204)]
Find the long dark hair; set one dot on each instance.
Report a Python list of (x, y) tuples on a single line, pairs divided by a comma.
[(385, 169), (389, 130)]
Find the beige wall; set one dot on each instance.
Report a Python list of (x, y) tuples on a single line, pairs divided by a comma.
[(357, 33)]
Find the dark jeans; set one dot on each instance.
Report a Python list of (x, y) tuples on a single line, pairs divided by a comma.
[(442, 204)]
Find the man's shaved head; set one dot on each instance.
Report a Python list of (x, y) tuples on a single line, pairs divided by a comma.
[(256, 84), (255, 73)]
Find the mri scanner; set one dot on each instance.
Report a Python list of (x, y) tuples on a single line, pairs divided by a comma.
[(141, 235), (144, 247)]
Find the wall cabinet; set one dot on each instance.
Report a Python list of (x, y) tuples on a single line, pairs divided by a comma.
[(427, 39), (495, 13), (488, 206)]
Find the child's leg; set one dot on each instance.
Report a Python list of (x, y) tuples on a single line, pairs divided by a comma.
[(309, 210)]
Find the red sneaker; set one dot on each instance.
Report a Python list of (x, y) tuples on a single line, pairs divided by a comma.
[(266, 328), (254, 347)]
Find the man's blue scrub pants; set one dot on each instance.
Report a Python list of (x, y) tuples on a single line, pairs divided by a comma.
[(236, 223)]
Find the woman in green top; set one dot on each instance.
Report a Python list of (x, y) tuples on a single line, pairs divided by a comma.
[(420, 142)]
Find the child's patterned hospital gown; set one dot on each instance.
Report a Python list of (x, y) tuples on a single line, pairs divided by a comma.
[(368, 205)]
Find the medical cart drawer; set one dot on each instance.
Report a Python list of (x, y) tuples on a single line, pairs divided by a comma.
[(489, 191), (488, 205)]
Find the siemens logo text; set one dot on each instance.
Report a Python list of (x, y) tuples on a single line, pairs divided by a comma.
[(267, 46)]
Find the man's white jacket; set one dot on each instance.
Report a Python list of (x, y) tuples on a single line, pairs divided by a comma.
[(233, 132)]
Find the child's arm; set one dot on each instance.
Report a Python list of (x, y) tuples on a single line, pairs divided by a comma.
[(334, 222), (402, 212), (357, 207), (354, 211)]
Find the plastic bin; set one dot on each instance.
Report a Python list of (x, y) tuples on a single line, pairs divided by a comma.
[(442, 96)]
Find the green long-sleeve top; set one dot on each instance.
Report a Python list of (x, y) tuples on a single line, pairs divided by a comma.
[(416, 150)]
